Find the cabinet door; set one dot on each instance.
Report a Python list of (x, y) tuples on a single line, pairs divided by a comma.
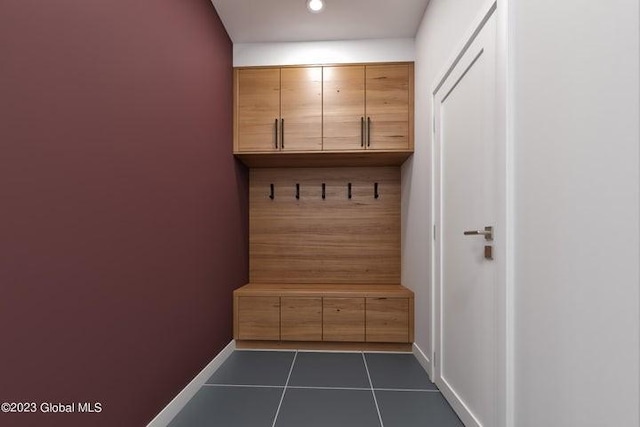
[(301, 319), (388, 106), (343, 108), (257, 109), (301, 109), (387, 320), (343, 319), (258, 318)]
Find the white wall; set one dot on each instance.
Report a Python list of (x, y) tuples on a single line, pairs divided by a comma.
[(327, 52), (441, 31), (577, 221), (575, 109)]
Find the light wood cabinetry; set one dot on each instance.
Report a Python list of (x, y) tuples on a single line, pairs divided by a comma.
[(317, 112), (301, 109), (367, 107), (301, 318), (278, 109), (343, 319), (324, 314), (343, 101), (257, 104), (258, 317), (388, 91), (387, 319), (325, 144)]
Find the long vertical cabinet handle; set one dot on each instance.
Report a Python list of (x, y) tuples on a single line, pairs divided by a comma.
[(362, 132), (282, 134), (368, 131), (276, 127)]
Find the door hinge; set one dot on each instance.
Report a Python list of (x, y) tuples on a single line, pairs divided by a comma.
[(434, 232), (434, 360)]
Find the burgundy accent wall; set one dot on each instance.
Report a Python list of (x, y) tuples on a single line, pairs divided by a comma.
[(123, 214)]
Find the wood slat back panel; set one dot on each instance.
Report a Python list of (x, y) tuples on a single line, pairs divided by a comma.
[(335, 240)]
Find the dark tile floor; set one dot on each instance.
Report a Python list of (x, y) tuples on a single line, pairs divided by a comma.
[(309, 389)]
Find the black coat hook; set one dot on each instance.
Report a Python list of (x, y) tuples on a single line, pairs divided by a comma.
[(375, 190), (349, 190), (272, 195), (324, 194), (298, 191)]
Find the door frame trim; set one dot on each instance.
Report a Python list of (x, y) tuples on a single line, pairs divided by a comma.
[(504, 252)]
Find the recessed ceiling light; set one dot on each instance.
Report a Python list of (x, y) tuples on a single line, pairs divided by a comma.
[(315, 6)]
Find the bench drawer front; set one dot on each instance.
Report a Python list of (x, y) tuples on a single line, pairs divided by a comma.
[(259, 318), (343, 319), (301, 318), (387, 320)]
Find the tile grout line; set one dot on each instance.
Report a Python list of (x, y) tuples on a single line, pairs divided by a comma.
[(373, 392), (328, 388), (242, 385), (284, 390), (420, 390)]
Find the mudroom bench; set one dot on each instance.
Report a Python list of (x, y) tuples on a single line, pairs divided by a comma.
[(324, 316)]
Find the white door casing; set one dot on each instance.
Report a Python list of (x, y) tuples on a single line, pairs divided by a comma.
[(469, 169)]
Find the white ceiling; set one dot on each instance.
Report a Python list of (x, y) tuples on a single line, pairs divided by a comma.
[(261, 21)]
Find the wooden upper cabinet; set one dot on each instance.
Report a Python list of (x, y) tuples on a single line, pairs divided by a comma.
[(257, 99), (343, 108), (367, 107), (301, 109), (388, 106), (324, 115), (278, 109)]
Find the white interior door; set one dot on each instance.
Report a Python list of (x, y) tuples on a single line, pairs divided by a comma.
[(465, 161)]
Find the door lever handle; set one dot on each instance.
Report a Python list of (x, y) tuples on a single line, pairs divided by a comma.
[(487, 233)]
